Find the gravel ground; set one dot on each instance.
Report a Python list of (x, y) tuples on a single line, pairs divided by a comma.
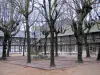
[(11, 69), (16, 65)]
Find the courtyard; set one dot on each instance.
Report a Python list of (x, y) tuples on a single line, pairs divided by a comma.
[(65, 65)]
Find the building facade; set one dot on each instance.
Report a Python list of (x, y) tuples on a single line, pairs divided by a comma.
[(17, 42), (67, 41)]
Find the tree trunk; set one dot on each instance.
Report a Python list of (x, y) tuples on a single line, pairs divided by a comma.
[(9, 47), (35, 43), (4, 45), (36, 49), (79, 57), (24, 48), (26, 15), (79, 45), (87, 51), (19, 45), (80, 37), (98, 57), (45, 44), (45, 53), (52, 62), (56, 45), (86, 45), (28, 41), (70, 49)]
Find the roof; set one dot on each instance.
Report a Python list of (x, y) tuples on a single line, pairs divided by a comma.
[(22, 34), (19, 34), (1, 33), (94, 29), (66, 24), (70, 32)]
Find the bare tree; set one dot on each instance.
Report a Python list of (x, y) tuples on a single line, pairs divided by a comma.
[(57, 31), (26, 8), (88, 25), (9, 23), (78, 11), (98, 24), (45, 33), (51, 12), (97, 20)]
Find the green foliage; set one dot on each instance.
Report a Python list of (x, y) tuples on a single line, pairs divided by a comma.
[(22, 11), (37, 57)]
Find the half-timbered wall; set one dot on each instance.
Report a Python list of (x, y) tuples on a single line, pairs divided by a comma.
[(68, 43)]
